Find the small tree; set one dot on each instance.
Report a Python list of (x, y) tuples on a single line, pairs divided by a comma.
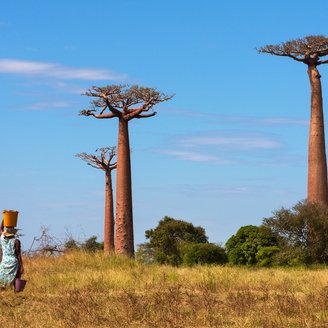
[(91, 245), (71, 245), (103, 161), (311, 50), (203, 253), (124, 103), (167, 239), (302, 232), (243, 247)]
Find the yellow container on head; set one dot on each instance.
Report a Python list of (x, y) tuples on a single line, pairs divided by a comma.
[(10, 218)]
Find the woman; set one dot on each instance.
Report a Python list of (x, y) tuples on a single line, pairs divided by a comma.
[(11, 266)]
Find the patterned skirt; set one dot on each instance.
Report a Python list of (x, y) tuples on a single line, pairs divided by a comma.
[(8, 271)]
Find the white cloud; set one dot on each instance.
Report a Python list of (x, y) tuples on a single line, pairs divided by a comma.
[(247, 142), (215, 118), (280, 121), (47, 105), (224, 147), (24, 67), (194, 156)]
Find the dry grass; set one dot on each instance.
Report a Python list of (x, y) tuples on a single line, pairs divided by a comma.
[(90, 290)]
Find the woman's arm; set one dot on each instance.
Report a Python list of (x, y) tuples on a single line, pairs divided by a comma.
[(19, 255)]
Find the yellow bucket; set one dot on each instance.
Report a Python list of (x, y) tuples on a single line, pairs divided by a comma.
[(10, 218)]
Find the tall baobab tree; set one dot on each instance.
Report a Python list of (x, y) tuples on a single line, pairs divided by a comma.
[(103, 161), (311, 50), (125, 103)]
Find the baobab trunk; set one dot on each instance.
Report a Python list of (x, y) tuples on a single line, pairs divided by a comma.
[(109, 215), (317, 166), (124, 243)]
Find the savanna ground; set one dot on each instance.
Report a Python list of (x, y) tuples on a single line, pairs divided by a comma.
[(89, 290)]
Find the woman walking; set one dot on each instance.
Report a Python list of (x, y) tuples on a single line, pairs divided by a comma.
[(11, 266)]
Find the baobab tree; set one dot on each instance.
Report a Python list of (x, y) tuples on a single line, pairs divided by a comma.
[(311, 50), (103, 161), (125, 103)]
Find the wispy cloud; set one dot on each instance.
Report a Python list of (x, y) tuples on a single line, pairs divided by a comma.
[(194, 156), (214, 118), (226, 147), (47, 105), (215, 190), (243, 142), (34, 68)]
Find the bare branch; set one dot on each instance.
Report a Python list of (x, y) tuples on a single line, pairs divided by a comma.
[(87, 112), (101, 161), (278, 51), (115, 111), (320, 62), (146, 115), (307, 50)]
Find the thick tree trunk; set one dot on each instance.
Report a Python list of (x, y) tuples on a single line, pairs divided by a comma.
[(124, 241), (317, 166), (109, 215)]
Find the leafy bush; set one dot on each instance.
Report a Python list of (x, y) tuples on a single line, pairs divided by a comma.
[(167, 239), (243, 247), (201, 253), (302, 233), (71, 245), (89, 245), (267, 256)]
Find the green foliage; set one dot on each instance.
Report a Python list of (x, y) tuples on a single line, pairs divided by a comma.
[(71, 245), (302, 233), (91, 245), (169, 236), (203, 253), (266, 256), (243, 247)]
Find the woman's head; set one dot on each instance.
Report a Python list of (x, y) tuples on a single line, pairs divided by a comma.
[(9, 231)]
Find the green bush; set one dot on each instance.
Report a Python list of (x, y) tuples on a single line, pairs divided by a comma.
[(91, 245), (201, 253), (243, 247), (302, 233), (71, 245), (266, 256), (168, 238)]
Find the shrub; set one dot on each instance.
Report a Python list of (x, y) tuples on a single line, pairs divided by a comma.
[(302, 233), (201, 253), (243, 247), (91, 245), (167, 239), (71, 245), (266, 256)]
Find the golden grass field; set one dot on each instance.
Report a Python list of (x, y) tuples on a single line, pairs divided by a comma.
[(90, 290)]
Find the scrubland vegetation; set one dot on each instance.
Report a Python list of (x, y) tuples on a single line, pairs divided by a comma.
[(83, 289)]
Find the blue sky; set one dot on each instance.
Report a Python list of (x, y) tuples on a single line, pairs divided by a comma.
[(226, 151)]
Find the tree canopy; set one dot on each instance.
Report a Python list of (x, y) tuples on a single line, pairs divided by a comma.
[(302, 232), (103, 161), (308, 49), (123, 101), (203, 253), (244, 247), (169, 236)]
